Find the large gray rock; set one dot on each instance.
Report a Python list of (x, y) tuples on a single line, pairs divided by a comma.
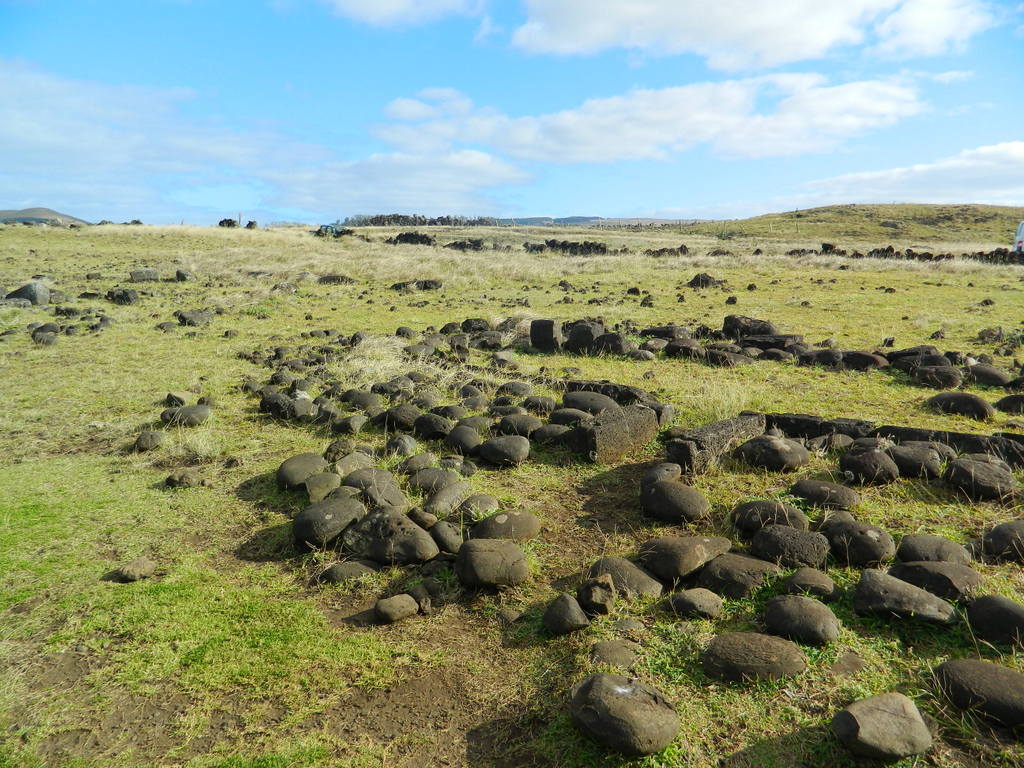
[(320, 524), (775, 454), (293, 472), (1006, 541), (670, 558), (506, 451), (491, 563), (734, 575), (981, 480), (950, 581), (917, 459), (695, 603), (614, 433), (392, 609), (812, 582), (997, 619), (802, 619), (790, 547), (819, 493), (593, 403), (879, 594), (885, 727), (518, 525), (673, 502), (443, 502), (597, 595), (186, 416), (962, 404), (739, 656), (751, 516), (564, 615), (923, 547), (389, 537), (859, 544), (629, 579), (623, 714), (34, 292), (546, 335), (432, 479), (377, 487), (869, 467), (989, 689), (696, 450)]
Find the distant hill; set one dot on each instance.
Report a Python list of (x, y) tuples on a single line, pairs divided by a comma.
[(877, 223), (38, 216), (590, 221)]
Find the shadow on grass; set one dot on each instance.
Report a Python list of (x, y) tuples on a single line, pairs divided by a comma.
[(504, 742), (271, 544), (612, 498)]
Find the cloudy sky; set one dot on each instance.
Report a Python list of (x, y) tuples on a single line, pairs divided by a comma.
[(170, 110)]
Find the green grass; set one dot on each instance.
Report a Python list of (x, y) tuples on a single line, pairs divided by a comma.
[(234, 630)]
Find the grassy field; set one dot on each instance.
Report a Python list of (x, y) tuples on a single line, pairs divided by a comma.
[(232, 656)]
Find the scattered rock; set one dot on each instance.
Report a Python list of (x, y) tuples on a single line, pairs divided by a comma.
[(491, 563), (802, 619), (392, 609), (293, 472), (695, 603), (673, 557), (981, 480), (517, 526), (614, 653), (885, 727), (921, 547), (389, 537), (673, 502), (810, 581), (1006, 541), (507, 451), (630, 580), (740, 656), (135, 570), (775, 454), (564, 615), (751, 516), (858, 544), (997, 619), (623, 714), (790, 547), (879, 594), (962, 404), (950, 581), (990, 689), (597, 595), (819, 493), (734, 575)]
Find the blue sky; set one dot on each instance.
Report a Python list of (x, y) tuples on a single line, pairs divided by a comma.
[(171, 110)]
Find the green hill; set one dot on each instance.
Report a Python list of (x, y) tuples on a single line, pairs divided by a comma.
[(38, 216), (879, 223)]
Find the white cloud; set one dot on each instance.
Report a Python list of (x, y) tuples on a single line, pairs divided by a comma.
[(774, 115), (931, 27), (385, 13), (990, 174), (107, 151), (953, 76), (447, 183), (739, 34)]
